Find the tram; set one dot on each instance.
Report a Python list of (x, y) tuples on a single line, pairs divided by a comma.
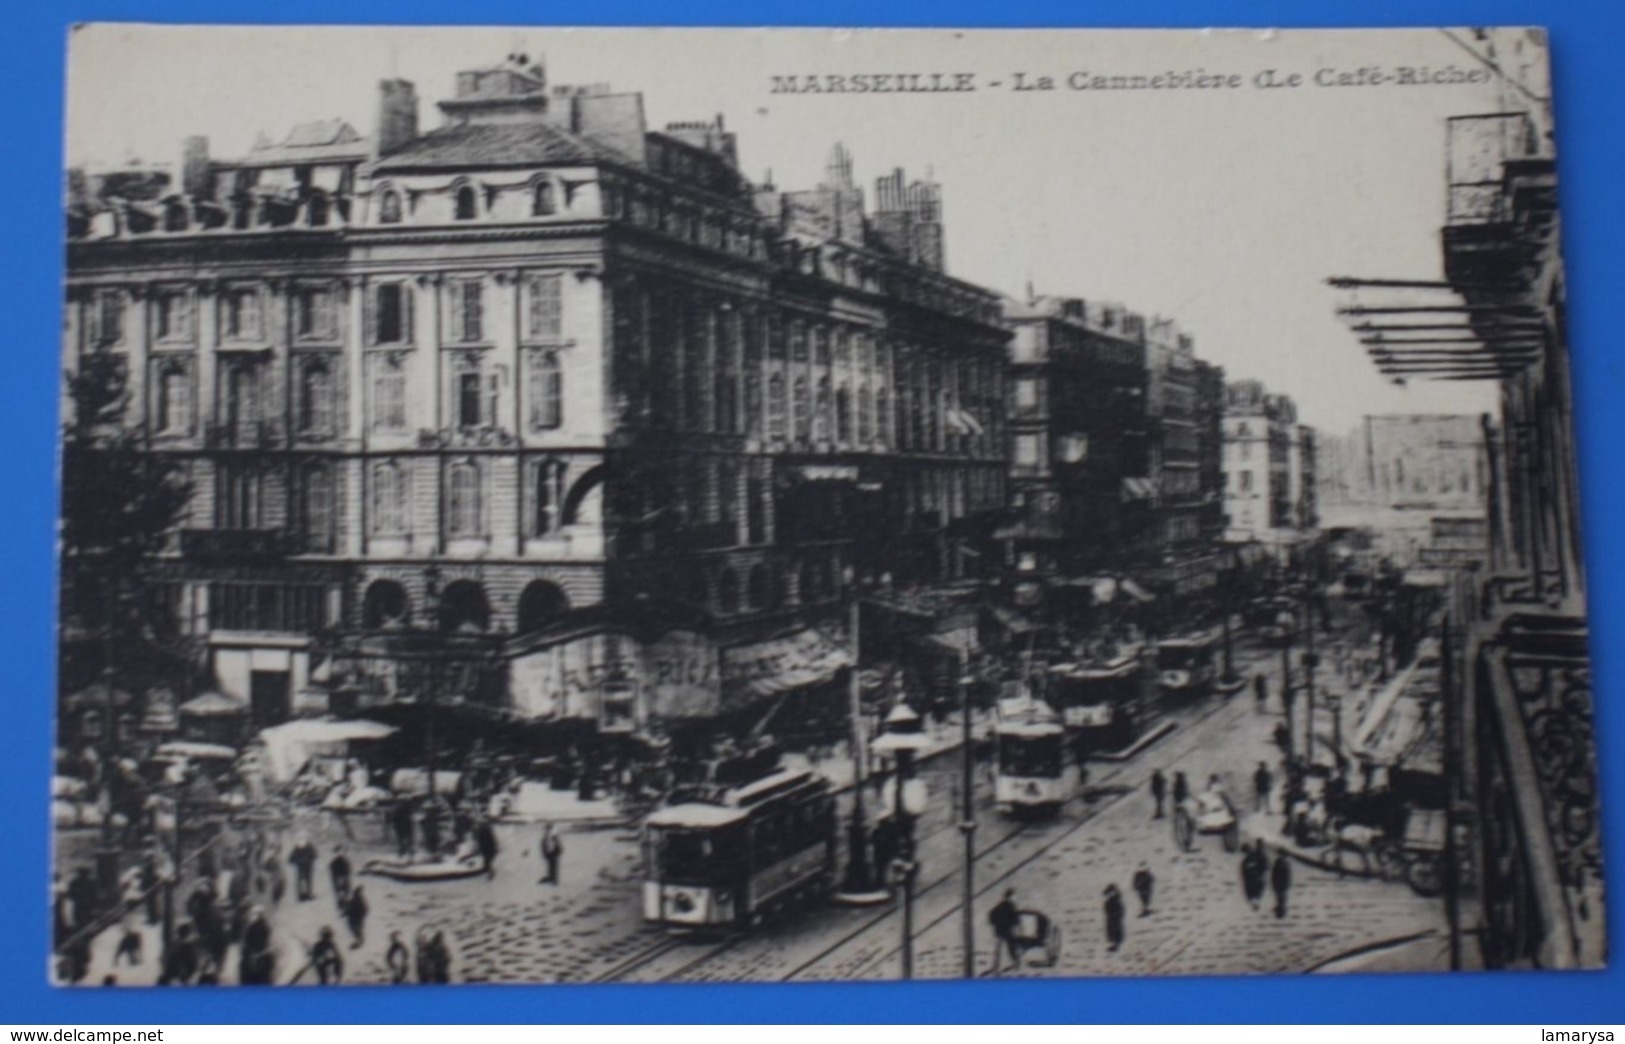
[(1035, 775), (733, 858), (1101, 702), (1185, 665)]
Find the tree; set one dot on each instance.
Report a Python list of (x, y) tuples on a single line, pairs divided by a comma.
[(120, 502)]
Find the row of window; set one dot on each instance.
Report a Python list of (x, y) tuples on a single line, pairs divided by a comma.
[(474, 397), (771, 375), (245, 494), (466, 202), (314, 312)]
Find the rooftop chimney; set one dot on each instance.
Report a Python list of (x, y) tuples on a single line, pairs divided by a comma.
[(397, 115)]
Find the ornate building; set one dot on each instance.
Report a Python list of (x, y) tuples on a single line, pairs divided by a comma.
[(539, 411)]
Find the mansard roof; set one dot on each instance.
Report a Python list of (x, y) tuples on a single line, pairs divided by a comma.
[(524, 143)]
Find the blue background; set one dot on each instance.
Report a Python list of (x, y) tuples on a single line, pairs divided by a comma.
[(1586, 46)]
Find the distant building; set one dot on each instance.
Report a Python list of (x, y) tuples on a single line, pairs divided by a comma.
[(1270, 468)]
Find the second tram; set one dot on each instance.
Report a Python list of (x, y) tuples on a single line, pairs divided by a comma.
[(734, 858), (1185, 665), (1035, 774), (1101, 702)]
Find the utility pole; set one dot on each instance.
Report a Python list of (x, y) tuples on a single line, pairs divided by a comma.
[(1310, 661), (1450, 876), (967, 825), (860, 880)]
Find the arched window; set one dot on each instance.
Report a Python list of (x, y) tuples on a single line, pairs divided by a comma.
[(390, 495), (316, 399), (843, 414), (317, 508), (866, 406), (463, 501), (318, 210), (542, 202), (464, 608), (546, 392), (821, 410), (174, 399), (542, 603), (760, 585), (466, 205), (728, 591), (389, 396), (389, 208), (384, 605), (243, 402)]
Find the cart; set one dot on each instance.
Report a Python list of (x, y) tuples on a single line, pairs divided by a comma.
[(1035, 931), (1209, 812)]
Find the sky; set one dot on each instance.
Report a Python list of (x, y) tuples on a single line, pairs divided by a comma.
[(1223, 208)]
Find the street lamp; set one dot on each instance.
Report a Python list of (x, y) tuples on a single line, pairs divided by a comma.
[(904, 736), (860, 886)]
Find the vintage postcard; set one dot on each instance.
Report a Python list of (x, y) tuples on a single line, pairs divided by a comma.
[(660, 505)]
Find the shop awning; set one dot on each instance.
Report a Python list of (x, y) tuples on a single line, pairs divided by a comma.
[(781, 664), (213, 705), (289, 746)]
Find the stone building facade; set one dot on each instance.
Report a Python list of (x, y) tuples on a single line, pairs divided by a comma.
[(542, 394)]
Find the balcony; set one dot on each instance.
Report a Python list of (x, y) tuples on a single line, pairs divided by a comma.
[(244, 435), (487, 436), (1479, 149), (234, 545)]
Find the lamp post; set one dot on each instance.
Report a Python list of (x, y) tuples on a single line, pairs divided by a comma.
[(967, 825), (904, 735), (431, 590)]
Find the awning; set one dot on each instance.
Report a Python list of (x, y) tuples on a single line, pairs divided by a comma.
[(1139, 489), (781, 664), (962, 423), (95, 696), (199, 751), (822, 473), (1013, 621), (289, 746), (213, 705), (1136, 592)]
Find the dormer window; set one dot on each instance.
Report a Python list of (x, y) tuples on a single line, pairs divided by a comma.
[(542, 201), (389, 208), (465, 203)]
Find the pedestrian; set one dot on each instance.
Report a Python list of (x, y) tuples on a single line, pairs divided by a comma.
[(326, 959), (1182, 789), (398, 960), (208, 972), (339, 870), (1003, 919), (1144, 882), (82, 895), (302, 857), (402, 818), (355, 916), (1261, 691), (150, 881), (552, 850), (485, 838), (431, 829), (1281, 882), (439, 958), (256, 965), (1114, 918), (1159, 788), (1254, 868), (425, 956), (1263, 784), (180, 960)]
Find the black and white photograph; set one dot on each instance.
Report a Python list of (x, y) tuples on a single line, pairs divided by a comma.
[(549, 505)]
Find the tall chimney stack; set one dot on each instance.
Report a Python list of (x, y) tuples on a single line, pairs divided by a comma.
[(397, 115)]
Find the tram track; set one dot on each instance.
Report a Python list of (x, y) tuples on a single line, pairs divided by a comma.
[(1000, 879), (627, 968)]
